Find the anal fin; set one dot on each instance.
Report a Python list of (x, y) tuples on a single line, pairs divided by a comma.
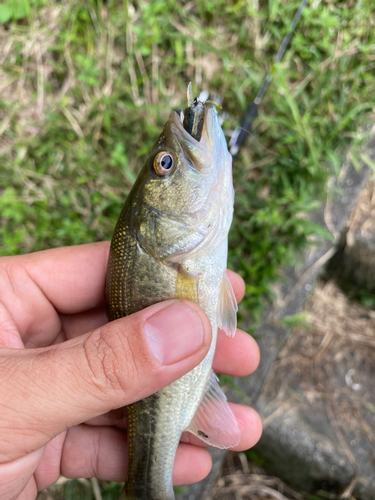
[(214, 422)]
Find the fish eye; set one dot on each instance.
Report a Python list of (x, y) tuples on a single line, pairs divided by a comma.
[(163, 163)]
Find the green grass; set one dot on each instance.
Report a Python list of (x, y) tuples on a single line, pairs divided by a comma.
[(85, 88), (88, 86), (82, 489)]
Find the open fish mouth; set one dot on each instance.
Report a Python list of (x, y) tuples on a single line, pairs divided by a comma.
[(198, 130), (193, 116)]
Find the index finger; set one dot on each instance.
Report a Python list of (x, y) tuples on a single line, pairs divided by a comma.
[(71, 278)]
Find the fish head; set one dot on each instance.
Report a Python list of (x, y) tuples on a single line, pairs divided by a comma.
[(183, 198)]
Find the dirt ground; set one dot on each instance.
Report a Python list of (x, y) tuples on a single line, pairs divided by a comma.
[(243, 480), (332, 356)]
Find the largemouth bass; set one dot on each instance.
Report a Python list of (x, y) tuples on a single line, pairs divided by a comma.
[(170, 242)]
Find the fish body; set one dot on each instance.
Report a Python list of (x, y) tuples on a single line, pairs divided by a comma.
[(171, 242)]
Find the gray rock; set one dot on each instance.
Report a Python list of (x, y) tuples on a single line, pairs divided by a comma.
[(318, 404), (301, 447), (295, 450), (354, 264)]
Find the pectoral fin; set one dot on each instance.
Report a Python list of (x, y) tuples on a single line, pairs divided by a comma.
[(214, 422), (227, 308)]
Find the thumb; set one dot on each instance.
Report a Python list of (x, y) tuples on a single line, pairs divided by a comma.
[(44, 391)]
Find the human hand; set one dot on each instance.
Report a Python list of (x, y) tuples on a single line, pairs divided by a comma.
[(63, 369)]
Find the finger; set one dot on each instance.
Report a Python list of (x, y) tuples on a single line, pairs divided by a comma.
[(250, 425), (115, 418), (66, 327), (102, 452), (71, 278), (94, 452), (16, 476), (74, 325), (29, 493), (45, 391), (48, 469), (238, 356), (35, 286), (237, 283)]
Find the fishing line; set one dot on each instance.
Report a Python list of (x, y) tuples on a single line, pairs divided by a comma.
[(243, 130)]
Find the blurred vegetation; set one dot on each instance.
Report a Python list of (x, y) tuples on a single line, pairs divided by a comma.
[(82, 489), (85, 87)]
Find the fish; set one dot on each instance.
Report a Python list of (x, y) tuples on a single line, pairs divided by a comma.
[(171, 242)]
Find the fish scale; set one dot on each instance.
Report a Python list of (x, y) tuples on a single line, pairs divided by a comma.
[(170, 242)]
